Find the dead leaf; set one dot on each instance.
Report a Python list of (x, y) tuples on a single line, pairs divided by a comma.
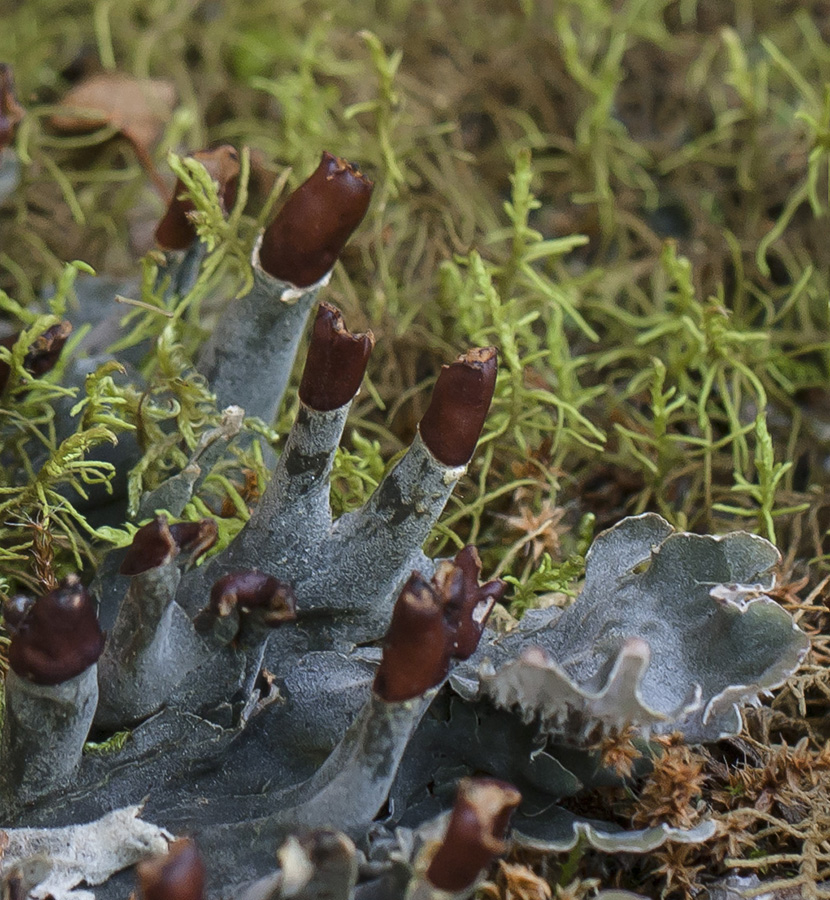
[(55, 860), (138, 107)]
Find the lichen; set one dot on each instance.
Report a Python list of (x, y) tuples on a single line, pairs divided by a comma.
[(663, 166)]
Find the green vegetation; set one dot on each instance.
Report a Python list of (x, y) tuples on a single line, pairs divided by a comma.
[(629, 198)]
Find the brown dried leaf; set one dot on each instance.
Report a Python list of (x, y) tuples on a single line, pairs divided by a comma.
[(138, 107)]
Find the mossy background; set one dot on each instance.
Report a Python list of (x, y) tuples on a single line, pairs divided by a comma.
[(628, 197)]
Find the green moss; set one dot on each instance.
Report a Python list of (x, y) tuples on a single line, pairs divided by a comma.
[(112, 744), (617, 349), (628, 198)]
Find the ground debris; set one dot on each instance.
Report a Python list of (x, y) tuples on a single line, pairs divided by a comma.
[(52, 862)]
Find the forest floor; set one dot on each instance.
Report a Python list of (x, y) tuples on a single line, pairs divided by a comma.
[(629, 197)]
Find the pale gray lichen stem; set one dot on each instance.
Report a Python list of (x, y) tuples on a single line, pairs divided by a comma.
[(355, 566), (371, 551), (176, 232), (355, 780), (43, 734), (11, 113), (9, 173), (152, 647), (152, 644), (349, 788), (51, 690), (293, 517), (298, 493), (249, 357), (174, 494)]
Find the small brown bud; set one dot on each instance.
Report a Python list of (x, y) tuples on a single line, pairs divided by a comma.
[(158, 543), (434, 623), (475, 833), (152, 546), (336, 361), (176, 231), (467, 605), (316, 221), (268, 600), (11, 112), (179, 875), (195, 538), (58, 637), (460, 401), (416, 649), (43, 352)]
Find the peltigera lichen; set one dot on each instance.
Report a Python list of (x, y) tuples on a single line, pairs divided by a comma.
[(630, 364)]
